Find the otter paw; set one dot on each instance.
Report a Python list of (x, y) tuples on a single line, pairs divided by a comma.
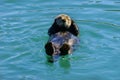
[(65, 49), (49, 48)]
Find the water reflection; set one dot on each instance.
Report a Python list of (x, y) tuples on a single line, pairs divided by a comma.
[(64, 62)]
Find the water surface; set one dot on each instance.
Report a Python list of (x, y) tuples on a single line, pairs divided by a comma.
[(23, 33)]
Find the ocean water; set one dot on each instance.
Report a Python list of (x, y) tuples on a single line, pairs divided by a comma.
[(23, 34)]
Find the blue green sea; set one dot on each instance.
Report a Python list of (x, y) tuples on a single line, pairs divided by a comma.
[(23, 34)]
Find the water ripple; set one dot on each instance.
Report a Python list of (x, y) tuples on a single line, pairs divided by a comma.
[(23, 34)]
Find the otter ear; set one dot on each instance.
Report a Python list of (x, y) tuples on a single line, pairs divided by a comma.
[(53, 29), (74, 28)]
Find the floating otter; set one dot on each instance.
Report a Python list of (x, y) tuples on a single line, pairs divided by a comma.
[(60, 44), (62, 37), (63, 23)]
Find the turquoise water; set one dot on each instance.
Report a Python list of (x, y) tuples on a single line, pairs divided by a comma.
[(23, 33)]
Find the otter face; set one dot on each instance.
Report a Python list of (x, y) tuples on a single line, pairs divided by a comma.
[(63, 20)]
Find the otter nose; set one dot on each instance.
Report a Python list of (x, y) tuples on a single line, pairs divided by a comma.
[(63, 20)]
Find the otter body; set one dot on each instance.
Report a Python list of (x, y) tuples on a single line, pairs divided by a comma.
[(58, 41)]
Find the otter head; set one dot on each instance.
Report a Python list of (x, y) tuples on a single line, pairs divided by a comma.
[(63, 20)]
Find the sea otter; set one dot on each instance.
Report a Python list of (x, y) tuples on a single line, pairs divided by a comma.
[(63, 35), (63, 23)]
